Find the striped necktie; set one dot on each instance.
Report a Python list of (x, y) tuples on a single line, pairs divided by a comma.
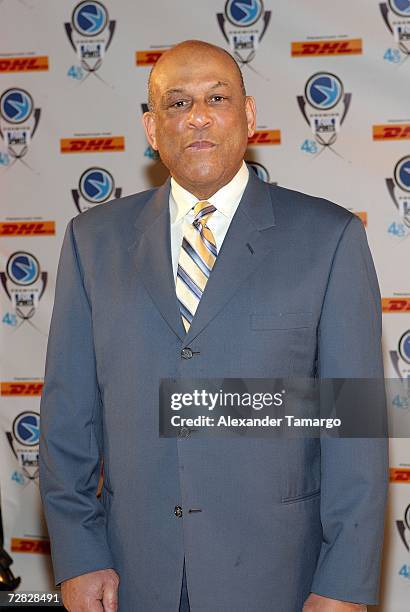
[(196, 260)]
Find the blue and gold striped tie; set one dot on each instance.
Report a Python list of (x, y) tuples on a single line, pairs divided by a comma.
[(196, 260)]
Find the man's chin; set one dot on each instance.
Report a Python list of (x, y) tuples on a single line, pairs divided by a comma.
[(203, 173)]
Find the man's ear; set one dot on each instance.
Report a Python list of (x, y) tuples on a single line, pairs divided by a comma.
[(148, 121), (250, 110)]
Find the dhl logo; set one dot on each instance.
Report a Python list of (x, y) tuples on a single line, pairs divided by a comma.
[(352, 46), (148, 58), (399, 131), (265, 137), (27, 228), (362, 214), (24, 64), (391, 304), (400, 475), (27, 387), (26, 545), (92, 145)]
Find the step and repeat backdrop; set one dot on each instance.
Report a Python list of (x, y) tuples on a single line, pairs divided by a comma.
[(332, 86)]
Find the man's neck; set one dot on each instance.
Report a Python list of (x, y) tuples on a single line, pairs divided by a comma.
[(204, 192)]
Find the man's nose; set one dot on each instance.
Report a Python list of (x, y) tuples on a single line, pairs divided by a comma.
[(199, 117)]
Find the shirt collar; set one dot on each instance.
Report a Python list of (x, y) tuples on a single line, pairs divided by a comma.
[(225, 199)]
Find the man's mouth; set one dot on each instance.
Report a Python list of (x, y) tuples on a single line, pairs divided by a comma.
[(200, 145)]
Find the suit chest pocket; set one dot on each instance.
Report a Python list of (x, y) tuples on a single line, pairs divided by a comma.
[(281, 321)]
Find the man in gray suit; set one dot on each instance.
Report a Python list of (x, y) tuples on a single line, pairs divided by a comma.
[(214, 274)]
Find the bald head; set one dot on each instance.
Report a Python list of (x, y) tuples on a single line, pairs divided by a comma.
[(189, 51), (200, 118)]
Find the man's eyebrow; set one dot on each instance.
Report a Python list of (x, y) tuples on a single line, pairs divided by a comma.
[(178, 90), (220, 84), (169, 92)]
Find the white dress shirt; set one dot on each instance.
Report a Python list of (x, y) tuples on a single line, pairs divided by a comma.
[(182, 202)]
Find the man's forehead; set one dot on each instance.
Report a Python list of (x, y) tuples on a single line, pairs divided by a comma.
[(177, 70), (194, 56), (182, 80)]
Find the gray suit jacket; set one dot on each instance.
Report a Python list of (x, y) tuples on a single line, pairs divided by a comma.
[(276, 520)]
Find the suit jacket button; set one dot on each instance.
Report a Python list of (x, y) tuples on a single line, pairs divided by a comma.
[(186, 353), (178, 511)]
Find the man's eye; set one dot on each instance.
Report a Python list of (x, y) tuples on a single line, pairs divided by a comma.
[(179, 104), (217, 98)]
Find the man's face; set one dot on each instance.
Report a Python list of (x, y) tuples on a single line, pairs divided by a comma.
[(201, 120)]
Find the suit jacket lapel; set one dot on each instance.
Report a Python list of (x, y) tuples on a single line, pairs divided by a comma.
[(152, 254), (247, 242)]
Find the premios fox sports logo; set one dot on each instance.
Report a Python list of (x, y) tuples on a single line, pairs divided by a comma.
[(400, 357), (90, 33), (396, 16), (243, 25), (23, 440), (24, 283), (324, 106), (398, 187), (95, 186), (19, 119)]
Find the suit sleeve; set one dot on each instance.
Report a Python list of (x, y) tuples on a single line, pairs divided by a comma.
[(70, 439), (353, 470)]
